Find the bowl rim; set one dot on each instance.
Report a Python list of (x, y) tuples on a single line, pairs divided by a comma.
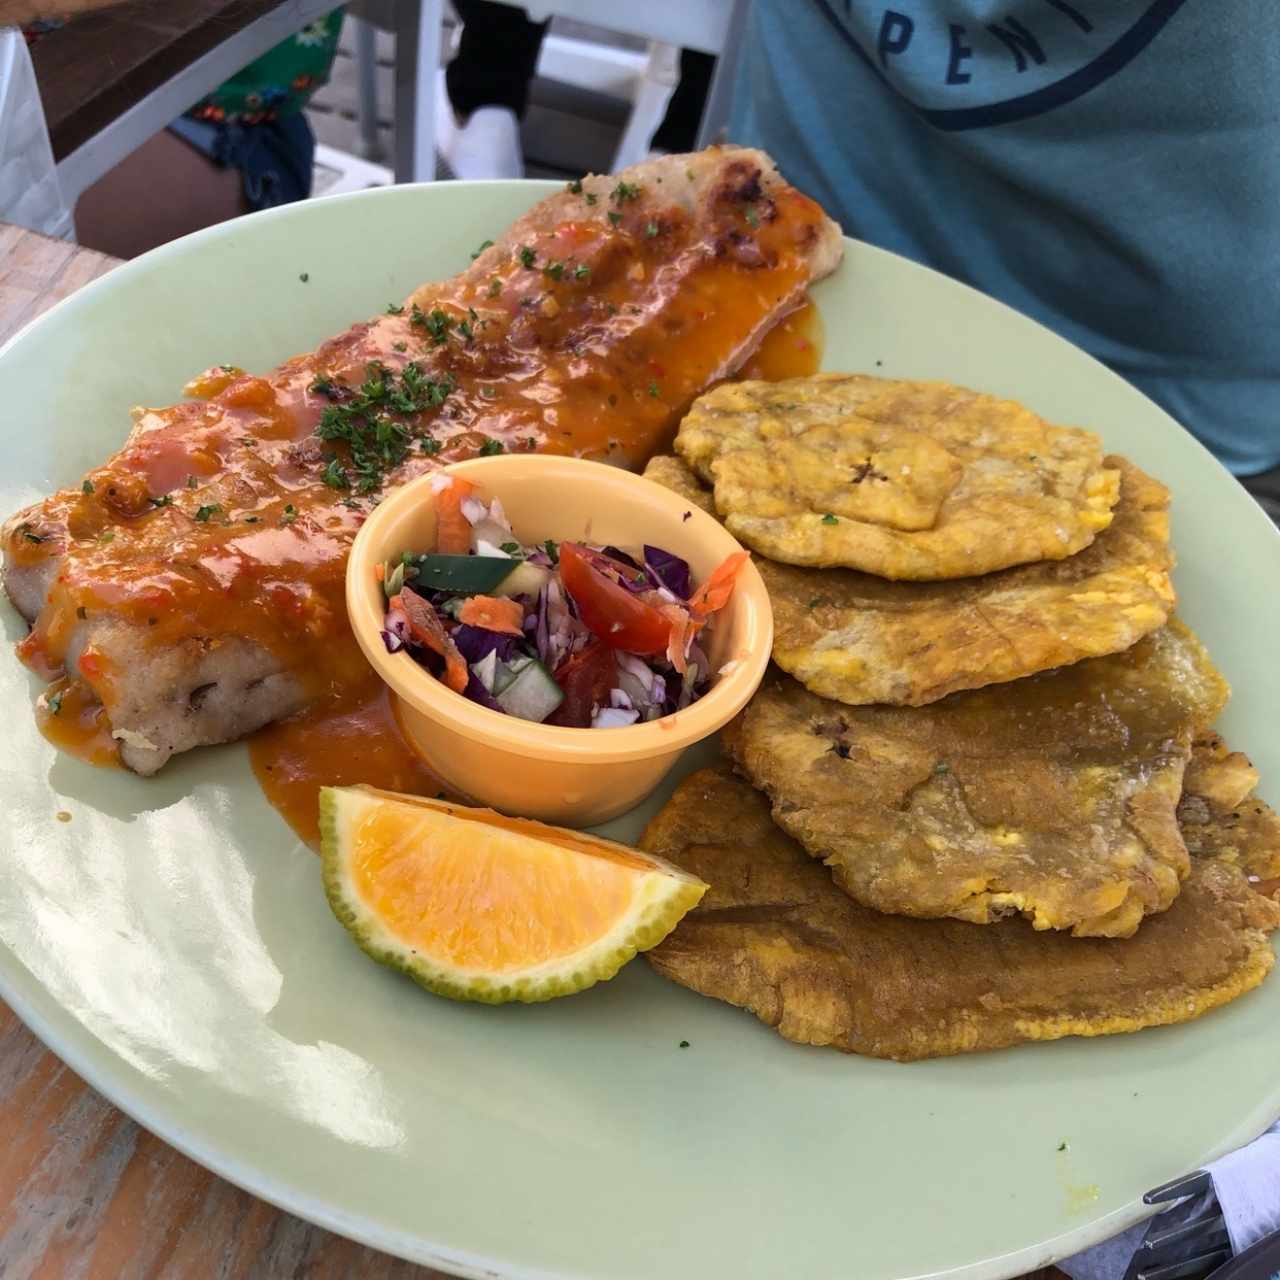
[(426, 694)]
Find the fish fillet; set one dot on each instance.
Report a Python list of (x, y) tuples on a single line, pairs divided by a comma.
[(194, 581)]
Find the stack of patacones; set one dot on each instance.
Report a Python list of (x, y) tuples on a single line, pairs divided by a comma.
[(985, 804)]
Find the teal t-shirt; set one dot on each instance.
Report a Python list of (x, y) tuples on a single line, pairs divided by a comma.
[(1111, 167)]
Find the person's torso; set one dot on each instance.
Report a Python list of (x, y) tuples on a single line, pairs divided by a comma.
[(1111, 167)]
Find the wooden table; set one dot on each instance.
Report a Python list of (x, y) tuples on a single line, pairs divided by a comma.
[(84, 1190)]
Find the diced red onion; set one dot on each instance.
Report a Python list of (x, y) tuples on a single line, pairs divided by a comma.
[(474, 510), (613, 718)]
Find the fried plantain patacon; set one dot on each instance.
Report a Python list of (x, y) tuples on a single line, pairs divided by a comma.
[(861, 639), (775, 936), (1053, 796), (919, 480)]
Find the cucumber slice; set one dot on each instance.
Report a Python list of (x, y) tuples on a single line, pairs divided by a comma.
[(524, 580), (467, 575), (486, 669), (533, 694), (505, 674)]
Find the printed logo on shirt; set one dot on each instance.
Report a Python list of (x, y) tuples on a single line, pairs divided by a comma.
[(973, 64)]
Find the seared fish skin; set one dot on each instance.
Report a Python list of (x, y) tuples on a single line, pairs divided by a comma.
[(194, 581), (1053, 796), (774, 936), (861, 639), (915, 480)]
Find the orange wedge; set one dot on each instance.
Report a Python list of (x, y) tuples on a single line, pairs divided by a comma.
[(477, 906)]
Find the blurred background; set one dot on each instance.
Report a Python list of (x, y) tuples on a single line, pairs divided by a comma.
[(129, 124)]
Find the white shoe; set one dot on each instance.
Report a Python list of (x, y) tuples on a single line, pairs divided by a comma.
[(487, 146)]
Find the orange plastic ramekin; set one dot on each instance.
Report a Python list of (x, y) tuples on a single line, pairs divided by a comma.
[(579, 777)]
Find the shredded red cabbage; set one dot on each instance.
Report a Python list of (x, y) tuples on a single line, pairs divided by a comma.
[(668, 570), (475, 643), (478, 693)]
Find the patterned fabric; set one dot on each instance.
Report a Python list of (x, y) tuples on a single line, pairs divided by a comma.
[(281, 82)]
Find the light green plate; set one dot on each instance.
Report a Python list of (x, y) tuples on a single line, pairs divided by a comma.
[(172, 942)]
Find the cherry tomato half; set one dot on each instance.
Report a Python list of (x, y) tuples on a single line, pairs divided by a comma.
[(620, 619), (586, 679)]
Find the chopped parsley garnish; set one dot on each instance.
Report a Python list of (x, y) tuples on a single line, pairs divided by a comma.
[(530, 442), (399, 346), (684, 1044), (625, 191), (830, 519), (753, 218), (430, 445), (491, 446), (54, 703), (290, 513), (553, 551), (495, 287), (394, 310), (304, 277), (485, 244), (376, 441), (582, 273), (650, 230), (87, 487), (575, 187), (815, 602), (615, 218), (488, 392), (437, 323), (108, 536), (527, 257), (230, 368), (654, 390), (335, 474), (165, 500), (688, 173), (509, 547), (941, 767), (203, 513), (466, 330), (591, 197), (554, 269), (322, 386), (192, 482)]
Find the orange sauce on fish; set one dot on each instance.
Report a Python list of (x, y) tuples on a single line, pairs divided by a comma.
[(340, 742), (356, 738), (587, 331), (71, 717), (791, 349)]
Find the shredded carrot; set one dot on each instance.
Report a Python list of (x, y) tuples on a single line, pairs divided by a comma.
[(495, 613), (682, 631), (429, 630), (714, 594), (453, 532), (380, 571)]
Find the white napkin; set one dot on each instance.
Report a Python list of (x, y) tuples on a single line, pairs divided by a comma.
[(1247, 1186), (29, 191)]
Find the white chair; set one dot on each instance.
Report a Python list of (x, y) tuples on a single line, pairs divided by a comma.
[(712, 26)]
